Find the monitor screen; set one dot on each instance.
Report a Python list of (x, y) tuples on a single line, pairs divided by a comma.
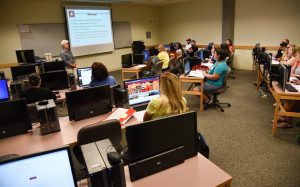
[(142, 90), (14, 118), (126, 60), (283, 75), (146, 55), (55, 80), (138, 58), (4, 93), (206, 54), (84, 76), (156, 136), (25, 56), (47, 169), (53, 66), (22, 71), (187, 65), (95, 99)]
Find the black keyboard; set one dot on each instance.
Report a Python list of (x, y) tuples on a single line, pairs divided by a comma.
[(290, 88)]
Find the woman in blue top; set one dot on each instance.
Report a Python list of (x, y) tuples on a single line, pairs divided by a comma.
[(100, 76), (214, 78)]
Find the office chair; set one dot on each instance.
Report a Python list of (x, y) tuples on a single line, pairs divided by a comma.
[(110, 129), (158, 68), (215, 102), (230, 63)]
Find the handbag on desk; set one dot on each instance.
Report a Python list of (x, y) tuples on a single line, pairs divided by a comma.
[(202, 147)]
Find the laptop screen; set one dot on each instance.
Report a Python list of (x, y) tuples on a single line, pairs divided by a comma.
[(187, 66), (142, 90), (84, 76), (47, 169), (4, 93)]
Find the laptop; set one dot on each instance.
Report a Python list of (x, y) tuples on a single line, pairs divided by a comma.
[(47, 169), (141, 91), (84, 76)]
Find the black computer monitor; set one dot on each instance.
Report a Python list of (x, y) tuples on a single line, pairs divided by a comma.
[(22, 71), (282, 76), (14, 118), (206, 54), (25, 56), (48, 168), (156, 136), (55, 80), (138, 58), (126, 60), (141, 91), (88, 102), (84, 76), (4, 92), (53, 66)]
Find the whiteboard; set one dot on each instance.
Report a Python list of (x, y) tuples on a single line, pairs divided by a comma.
[(46, 37), (122, 34), (43, 38)]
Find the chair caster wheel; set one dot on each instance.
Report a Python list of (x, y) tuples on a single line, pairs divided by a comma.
[(222, 110), (229, 105)]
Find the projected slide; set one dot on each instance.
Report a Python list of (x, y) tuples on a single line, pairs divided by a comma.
[(90, 30)]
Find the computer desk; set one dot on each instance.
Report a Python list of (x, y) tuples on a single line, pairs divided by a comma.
[(194, 172), (185, 79), (135, 69), (279, 95), (33, 141)]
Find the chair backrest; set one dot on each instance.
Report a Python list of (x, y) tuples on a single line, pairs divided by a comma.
[(110, 129), (158, 68), (227, 76)]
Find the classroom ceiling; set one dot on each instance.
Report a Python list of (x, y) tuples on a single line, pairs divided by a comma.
[(144, 2)]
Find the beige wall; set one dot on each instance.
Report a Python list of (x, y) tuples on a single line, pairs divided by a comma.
[(199, 20), (266, 22), (13, 12)]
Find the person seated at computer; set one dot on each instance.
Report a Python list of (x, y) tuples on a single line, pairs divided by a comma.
[(291, 51), (214, 78), (295, 70), (100, 76), (172, 51), (176, 64), (188, 44), (170, 101), (212, 60), (281, 50), (230, 46), (163, 56), (193, 49), (151, 63), (36, 93), (67, 56)]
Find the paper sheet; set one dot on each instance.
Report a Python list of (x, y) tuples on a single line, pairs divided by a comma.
[(139, 115), (197, 73)]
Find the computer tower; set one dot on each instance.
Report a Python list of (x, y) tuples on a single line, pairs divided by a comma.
[(2, 75), (120, 97), (72, 82), (101, 172), (138, 47), (48, 116), (16, 89)]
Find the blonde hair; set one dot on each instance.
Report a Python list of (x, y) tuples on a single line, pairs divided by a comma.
[(171, 94), (294, 49)]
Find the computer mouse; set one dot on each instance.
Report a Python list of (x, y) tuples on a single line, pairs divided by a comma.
[(43, 103), (114, 158)]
